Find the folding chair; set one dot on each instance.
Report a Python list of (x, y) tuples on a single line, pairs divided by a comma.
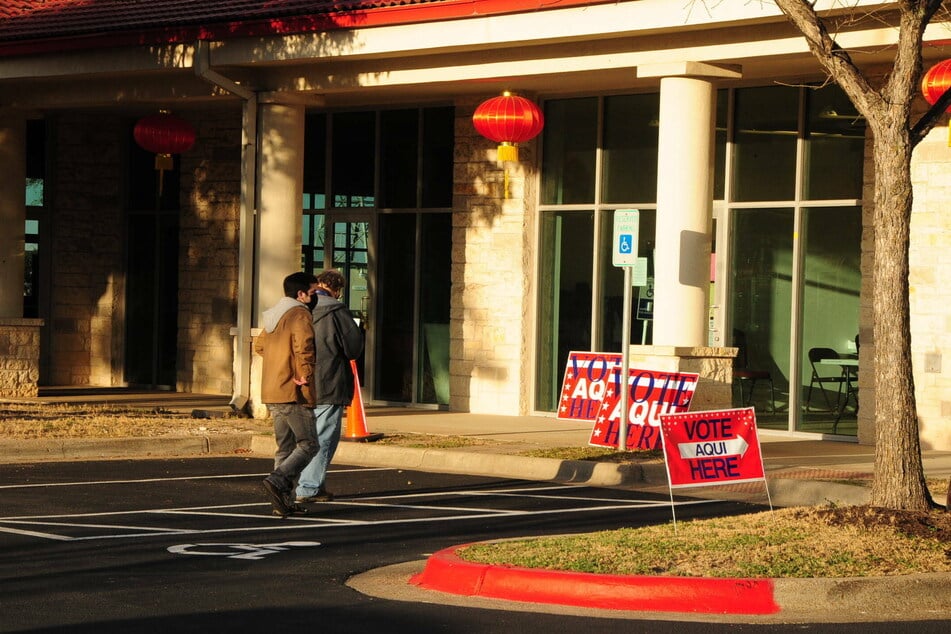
[(743, 374), (821, 377)]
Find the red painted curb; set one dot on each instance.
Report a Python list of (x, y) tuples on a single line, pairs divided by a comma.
[(445, 571)]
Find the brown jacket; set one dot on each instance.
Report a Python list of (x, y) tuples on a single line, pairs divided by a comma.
[(288, 350)]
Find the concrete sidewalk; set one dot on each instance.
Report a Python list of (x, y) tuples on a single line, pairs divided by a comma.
[(800, 471)]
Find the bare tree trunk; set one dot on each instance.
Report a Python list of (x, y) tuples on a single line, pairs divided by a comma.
[(899, 474)]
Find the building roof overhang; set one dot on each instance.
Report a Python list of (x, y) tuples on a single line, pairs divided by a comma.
[(575, 48)]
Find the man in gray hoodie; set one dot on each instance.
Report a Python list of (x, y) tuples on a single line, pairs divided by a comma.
[(338, 340), (288, 388)]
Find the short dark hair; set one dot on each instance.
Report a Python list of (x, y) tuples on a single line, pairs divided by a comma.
[(332, 279), (298, 282)]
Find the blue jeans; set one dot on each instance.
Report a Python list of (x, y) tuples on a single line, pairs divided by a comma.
[(296, 443), (327, 419)]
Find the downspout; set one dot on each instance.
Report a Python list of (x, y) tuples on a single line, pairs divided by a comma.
[(241, 365)]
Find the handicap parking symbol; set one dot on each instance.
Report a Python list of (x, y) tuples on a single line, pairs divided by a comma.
[(236, 551), (625, 243)]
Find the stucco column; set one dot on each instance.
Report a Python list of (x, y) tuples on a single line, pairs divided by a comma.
[(280, 163), (12, 212), (684, 201)]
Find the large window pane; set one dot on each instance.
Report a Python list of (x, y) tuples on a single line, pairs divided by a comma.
[(719, 157), (395, 305), (315, 162), (835, 146), (765, 143), (762, 267), (435, 283), (611, 295), (399, 144), (354, 135), (564, 320), (630, 148), (832, 279), (570, 141), (438, 140)]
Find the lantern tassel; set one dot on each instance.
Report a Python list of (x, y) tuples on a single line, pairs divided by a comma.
[(508, 152), (163, 162)]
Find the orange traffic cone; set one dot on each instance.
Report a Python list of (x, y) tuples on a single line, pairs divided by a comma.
[(356, 427)]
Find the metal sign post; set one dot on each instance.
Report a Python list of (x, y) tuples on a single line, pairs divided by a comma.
[(625, 361), (626, 232)]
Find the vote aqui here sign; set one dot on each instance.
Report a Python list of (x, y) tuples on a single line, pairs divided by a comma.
[(591, 391), (711, 448)]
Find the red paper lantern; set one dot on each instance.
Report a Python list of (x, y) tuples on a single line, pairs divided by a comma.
[(935, 83), (164, 134), (508, 120)]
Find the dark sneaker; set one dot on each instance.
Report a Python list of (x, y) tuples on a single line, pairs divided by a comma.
[(322, 495), (277, 499), (296, 509)]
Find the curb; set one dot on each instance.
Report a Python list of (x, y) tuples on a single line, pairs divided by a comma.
[(783, 492), (793, 600), (445, 571), (495, 465), (113, 448)]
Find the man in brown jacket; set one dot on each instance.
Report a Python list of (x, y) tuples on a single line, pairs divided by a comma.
[(288, 388)]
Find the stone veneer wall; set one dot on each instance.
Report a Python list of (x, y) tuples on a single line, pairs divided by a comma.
[(930, 287), (492, 274), (19, 357), (87, 240), (208, 252), (929, 291)]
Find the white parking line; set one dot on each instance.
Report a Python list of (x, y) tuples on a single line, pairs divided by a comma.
[(424, 503), (86, 525), (15, 531), (305, 522), (40, 485)]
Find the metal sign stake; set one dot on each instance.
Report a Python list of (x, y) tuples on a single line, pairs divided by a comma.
[(625, 360)]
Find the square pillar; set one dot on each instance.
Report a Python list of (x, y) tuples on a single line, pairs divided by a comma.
[(19, 357), (714, 365)]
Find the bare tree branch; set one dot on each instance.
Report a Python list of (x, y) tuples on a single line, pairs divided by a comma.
[(836, 60)]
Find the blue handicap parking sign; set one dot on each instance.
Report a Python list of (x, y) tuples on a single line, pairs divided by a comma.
[(625, 243), (626, 232)]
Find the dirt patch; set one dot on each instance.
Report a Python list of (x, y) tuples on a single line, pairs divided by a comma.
[(924, 524)]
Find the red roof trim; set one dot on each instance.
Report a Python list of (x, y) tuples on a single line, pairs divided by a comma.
[(372, 17)]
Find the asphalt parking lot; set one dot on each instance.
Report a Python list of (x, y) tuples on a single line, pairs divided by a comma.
[(192, 545), (161, 498)]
